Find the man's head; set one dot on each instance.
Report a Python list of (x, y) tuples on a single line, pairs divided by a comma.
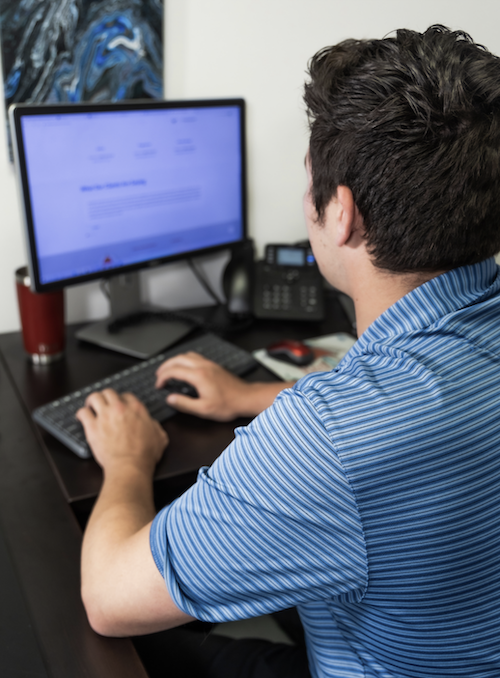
[(411, 125)]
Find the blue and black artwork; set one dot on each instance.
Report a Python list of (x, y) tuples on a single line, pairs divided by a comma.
[(81, 50)]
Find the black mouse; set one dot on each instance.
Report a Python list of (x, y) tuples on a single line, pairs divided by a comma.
[(179, 386), (291, 351)]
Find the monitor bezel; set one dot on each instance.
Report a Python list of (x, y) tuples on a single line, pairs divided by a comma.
[(18, 111)]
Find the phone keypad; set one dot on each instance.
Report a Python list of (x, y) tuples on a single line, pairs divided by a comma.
[(287, 292), (308, 295), (280, 298)]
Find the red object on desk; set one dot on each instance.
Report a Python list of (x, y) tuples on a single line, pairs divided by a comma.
[(291, 351), (42, 320)]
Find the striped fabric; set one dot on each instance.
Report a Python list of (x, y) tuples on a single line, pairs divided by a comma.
[(368, 496)]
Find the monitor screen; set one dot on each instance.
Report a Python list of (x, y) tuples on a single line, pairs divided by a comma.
[(115, 187)]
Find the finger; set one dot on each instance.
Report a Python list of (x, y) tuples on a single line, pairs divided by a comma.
[(96, 401), (130, 399), (111, 396), (181, 372), (164, 372), (85, 416), (190, 359), (185, 404), (189, 356), (181, 359), (135, 404)]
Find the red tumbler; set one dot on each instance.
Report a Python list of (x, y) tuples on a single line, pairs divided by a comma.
[(42, 320)]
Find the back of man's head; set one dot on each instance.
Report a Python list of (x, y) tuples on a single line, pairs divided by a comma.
[(411, 124)]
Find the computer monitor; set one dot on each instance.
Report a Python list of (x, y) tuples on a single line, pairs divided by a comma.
[(109, 189)]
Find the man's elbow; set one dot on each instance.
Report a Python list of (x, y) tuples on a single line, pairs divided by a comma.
[(101, 616)]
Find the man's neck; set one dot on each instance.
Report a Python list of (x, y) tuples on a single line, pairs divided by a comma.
[(340, 246), (377, 290)]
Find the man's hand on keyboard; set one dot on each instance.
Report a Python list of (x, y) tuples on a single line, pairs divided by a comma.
[(119, 430), (222, 396)]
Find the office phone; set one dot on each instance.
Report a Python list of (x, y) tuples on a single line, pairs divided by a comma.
[(288, 284)]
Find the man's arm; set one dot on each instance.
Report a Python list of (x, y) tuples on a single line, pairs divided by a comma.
[(222, 396), (122, 590)]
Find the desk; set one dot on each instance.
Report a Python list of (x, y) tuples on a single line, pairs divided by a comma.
[(46, 491)]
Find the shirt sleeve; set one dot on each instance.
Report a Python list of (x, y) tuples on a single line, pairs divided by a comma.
[(273, 523)]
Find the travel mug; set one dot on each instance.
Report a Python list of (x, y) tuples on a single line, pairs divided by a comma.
[(42, 320)]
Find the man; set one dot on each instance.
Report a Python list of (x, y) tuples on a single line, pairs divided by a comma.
[(369, 496)]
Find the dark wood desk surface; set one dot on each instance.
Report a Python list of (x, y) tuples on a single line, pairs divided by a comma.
[(43, 540), (40, 482)]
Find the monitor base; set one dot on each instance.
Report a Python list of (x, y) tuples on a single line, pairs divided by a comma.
[(134, 328), (141, 340)]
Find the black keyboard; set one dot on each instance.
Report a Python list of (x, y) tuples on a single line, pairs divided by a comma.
[(58, 417)]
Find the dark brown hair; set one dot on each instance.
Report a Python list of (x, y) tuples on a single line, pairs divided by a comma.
[(411, 124)]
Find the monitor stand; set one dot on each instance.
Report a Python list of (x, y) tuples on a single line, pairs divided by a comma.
[(142, 339)]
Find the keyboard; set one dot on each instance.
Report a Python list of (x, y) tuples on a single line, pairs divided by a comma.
[(58, 417)]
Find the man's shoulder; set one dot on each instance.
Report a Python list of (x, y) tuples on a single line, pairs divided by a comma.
[(385, 379)]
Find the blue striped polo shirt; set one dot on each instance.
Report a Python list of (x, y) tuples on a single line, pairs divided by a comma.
[(368, 496)]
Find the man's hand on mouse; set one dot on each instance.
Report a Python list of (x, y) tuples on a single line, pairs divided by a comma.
[(119, 430), (222, 396), (219, 391)]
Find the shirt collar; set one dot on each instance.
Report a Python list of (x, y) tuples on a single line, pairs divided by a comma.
[(436, 298)]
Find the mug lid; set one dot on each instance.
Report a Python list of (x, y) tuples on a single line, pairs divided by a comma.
[(23, 277)]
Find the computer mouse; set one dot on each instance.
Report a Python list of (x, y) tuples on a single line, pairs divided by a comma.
[(179, 386), (291, 351)]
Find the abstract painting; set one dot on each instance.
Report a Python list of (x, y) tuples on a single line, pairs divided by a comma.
[(81, 50)]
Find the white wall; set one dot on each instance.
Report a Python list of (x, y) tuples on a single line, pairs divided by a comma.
[(257, 49)]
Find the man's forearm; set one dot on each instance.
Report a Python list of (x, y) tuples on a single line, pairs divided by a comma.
[(122, 589), (124, 506)]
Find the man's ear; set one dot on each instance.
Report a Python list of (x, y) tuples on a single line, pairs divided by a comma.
[(347, 216)]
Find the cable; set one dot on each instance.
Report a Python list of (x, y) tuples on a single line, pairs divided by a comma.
[(104, 287), (204, 282), (136, 318)]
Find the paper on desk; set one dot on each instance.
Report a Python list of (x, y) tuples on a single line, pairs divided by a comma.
[(328, 351)]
